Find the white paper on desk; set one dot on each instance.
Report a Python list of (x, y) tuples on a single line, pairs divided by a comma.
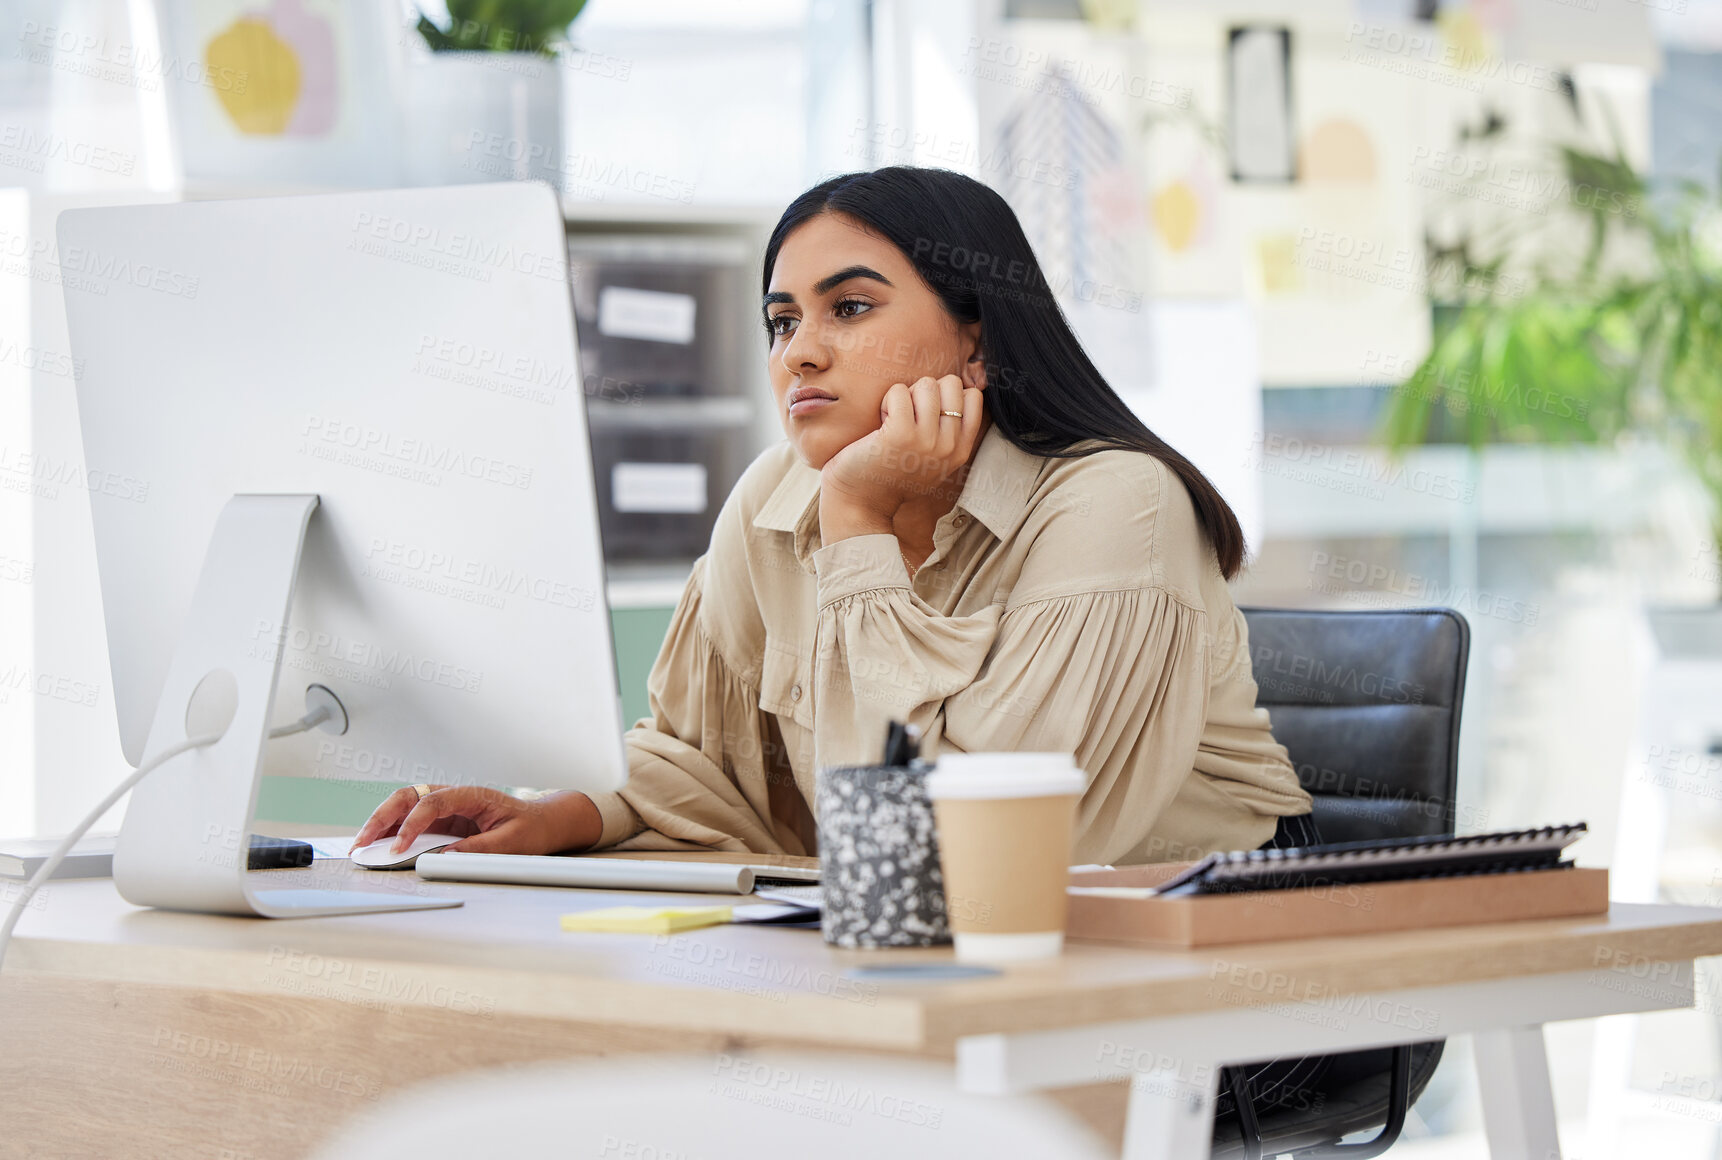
[(1113, 891), (330, 846), (804, 897), (772, 911)]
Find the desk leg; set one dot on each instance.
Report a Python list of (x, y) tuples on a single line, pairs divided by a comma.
[(1171, 1116), (1518, 1103)]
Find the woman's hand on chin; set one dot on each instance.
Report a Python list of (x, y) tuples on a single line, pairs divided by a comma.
[(915, 451)]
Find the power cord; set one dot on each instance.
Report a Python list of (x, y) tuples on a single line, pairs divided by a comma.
[(46, 870), (310, 720)]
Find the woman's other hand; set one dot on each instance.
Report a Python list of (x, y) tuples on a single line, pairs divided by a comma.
[(914, 454), (493, 822)]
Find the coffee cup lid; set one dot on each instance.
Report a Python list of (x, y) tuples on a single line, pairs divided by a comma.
[(996, 775)]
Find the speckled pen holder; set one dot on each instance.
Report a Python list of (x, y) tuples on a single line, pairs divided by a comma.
[(879, 858)]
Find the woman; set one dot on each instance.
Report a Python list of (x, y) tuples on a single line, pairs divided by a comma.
[(966, 529)]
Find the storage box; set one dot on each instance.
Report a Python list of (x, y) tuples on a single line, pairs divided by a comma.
[(1322, 911)]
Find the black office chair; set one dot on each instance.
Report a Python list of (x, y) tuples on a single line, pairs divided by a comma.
[(1367, 705)]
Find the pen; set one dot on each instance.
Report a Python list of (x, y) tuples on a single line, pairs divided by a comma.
[(902, 743)]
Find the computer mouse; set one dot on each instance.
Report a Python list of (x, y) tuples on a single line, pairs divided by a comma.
[(380, 856)]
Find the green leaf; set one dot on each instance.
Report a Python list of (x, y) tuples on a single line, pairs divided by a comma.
[(502, 25)]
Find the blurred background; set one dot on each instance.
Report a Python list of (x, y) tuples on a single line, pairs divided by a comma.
[(1430, 289)]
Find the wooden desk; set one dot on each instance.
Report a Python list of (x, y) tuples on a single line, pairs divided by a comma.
[(150, 1033)]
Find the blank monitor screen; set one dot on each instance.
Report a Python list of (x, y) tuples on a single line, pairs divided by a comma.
[(409, 357)]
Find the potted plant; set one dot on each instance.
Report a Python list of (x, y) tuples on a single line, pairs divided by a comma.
[(484, 103), (1615, 331)]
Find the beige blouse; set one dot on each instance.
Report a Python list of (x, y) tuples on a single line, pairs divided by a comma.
[(1069, 605)]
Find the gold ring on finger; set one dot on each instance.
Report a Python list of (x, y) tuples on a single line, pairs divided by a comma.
[(952, 414)]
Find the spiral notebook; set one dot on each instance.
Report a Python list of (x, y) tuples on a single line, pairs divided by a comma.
[(1390, 860)]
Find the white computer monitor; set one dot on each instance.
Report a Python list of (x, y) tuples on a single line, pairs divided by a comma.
[(341, 441)]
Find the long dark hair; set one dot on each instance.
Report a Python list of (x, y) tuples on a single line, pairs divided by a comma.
[(1043, 391)]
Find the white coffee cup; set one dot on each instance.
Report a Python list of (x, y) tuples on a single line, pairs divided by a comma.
[(1006, 823)]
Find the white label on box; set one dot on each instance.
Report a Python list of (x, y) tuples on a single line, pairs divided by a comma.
[(658, 487), (649, 314)]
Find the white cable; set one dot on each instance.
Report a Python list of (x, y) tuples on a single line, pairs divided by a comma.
[(46, 870), (309, 721)]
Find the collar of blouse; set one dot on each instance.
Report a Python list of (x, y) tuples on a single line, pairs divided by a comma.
[(1000, 484)]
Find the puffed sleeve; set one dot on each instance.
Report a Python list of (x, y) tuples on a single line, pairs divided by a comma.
[(1107, 665), (696, 766)]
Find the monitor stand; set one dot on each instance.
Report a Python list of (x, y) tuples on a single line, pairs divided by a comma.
[(183, 845)]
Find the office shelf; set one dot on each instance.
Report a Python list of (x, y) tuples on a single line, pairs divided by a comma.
[(673, 414)]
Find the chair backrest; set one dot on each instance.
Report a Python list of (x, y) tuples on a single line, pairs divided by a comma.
[(1367, 705), (741, 1106)]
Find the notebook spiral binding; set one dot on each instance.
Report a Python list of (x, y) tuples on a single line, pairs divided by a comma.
[(1389, 860)]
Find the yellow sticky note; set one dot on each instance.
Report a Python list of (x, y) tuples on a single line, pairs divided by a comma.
[(647, 919)]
